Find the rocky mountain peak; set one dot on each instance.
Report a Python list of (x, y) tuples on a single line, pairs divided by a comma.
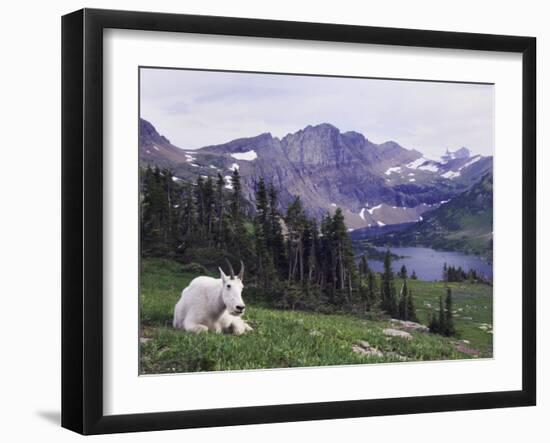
[(459, 154)]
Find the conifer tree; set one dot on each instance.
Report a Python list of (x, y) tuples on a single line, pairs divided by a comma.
[(394, 306), (413, 275), (388, 302), (442, 322), (209, 205), (433, 322), (240, 241), (449, 321), (403, 272), (411, 308), (189, 216), (404, 301), (363, 265), (327, 255), (295, 220), (344, 253), (311, 250), (235, 202), (276, 239), (262, 232), (371, 289), (220, 237)]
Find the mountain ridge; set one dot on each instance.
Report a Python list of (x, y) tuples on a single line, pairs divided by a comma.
[(374, 184)]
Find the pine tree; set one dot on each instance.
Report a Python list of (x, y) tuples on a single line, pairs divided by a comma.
[(262, 232), (449, 321), (189, 216), (404, 301), (411, 308), (363, 265), (220, 237), (276, 238), (403, 272), (371, 289), (295, 220), (394, 306), (201, 206), (442, 317), (433, 323), (445, 275), (344, 253), (388, 302), (311, 249), (413, 275), (239, 241), (236, 198), (209, 205), (327, 262)]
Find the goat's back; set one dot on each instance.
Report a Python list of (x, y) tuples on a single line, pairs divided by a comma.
[(205, 283)]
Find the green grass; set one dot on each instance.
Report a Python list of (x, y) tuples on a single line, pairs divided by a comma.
[(472, 308), (290, 338)]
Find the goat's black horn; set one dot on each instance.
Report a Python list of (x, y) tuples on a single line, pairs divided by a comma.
[(231, 271), (241, 272)]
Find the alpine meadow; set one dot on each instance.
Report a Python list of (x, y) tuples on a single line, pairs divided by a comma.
[(301, 221)]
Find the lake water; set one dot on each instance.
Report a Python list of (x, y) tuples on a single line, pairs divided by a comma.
[(428, 263)]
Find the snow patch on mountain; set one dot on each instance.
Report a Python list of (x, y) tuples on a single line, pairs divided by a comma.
[(228, 184), (418, 162), (248, 155), (470, 162), (392, 170), (371, 210), (429, 167), (450, 174)]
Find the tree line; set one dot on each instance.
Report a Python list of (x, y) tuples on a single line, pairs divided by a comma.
[(207, 220), (457, 274), (292, 260)]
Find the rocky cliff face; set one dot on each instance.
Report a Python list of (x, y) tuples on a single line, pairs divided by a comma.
[(374, 184)]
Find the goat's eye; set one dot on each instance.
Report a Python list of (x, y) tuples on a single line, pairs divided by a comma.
[(228, 286)]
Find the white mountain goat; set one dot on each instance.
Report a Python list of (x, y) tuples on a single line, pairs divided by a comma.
[(212, 304)]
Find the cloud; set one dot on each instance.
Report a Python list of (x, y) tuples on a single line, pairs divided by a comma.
[(199, 108)]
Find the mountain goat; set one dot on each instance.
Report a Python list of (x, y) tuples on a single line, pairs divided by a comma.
[(212, 304)]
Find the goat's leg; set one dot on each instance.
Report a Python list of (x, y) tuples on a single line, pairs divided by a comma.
[(196, 328), (239, 326)]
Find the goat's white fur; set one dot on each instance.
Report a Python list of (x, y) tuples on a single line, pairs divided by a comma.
[(210, 304)]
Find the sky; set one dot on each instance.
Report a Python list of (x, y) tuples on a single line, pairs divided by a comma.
[(200, 108)]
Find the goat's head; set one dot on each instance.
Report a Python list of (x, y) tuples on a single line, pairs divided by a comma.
[(232, 287)]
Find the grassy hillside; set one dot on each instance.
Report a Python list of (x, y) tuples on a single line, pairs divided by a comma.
[(299, 339), (463, 224)]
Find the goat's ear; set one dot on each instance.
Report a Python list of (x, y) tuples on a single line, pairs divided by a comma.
[(222, 275)]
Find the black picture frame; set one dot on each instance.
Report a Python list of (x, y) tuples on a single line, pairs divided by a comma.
[(82, 216)]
